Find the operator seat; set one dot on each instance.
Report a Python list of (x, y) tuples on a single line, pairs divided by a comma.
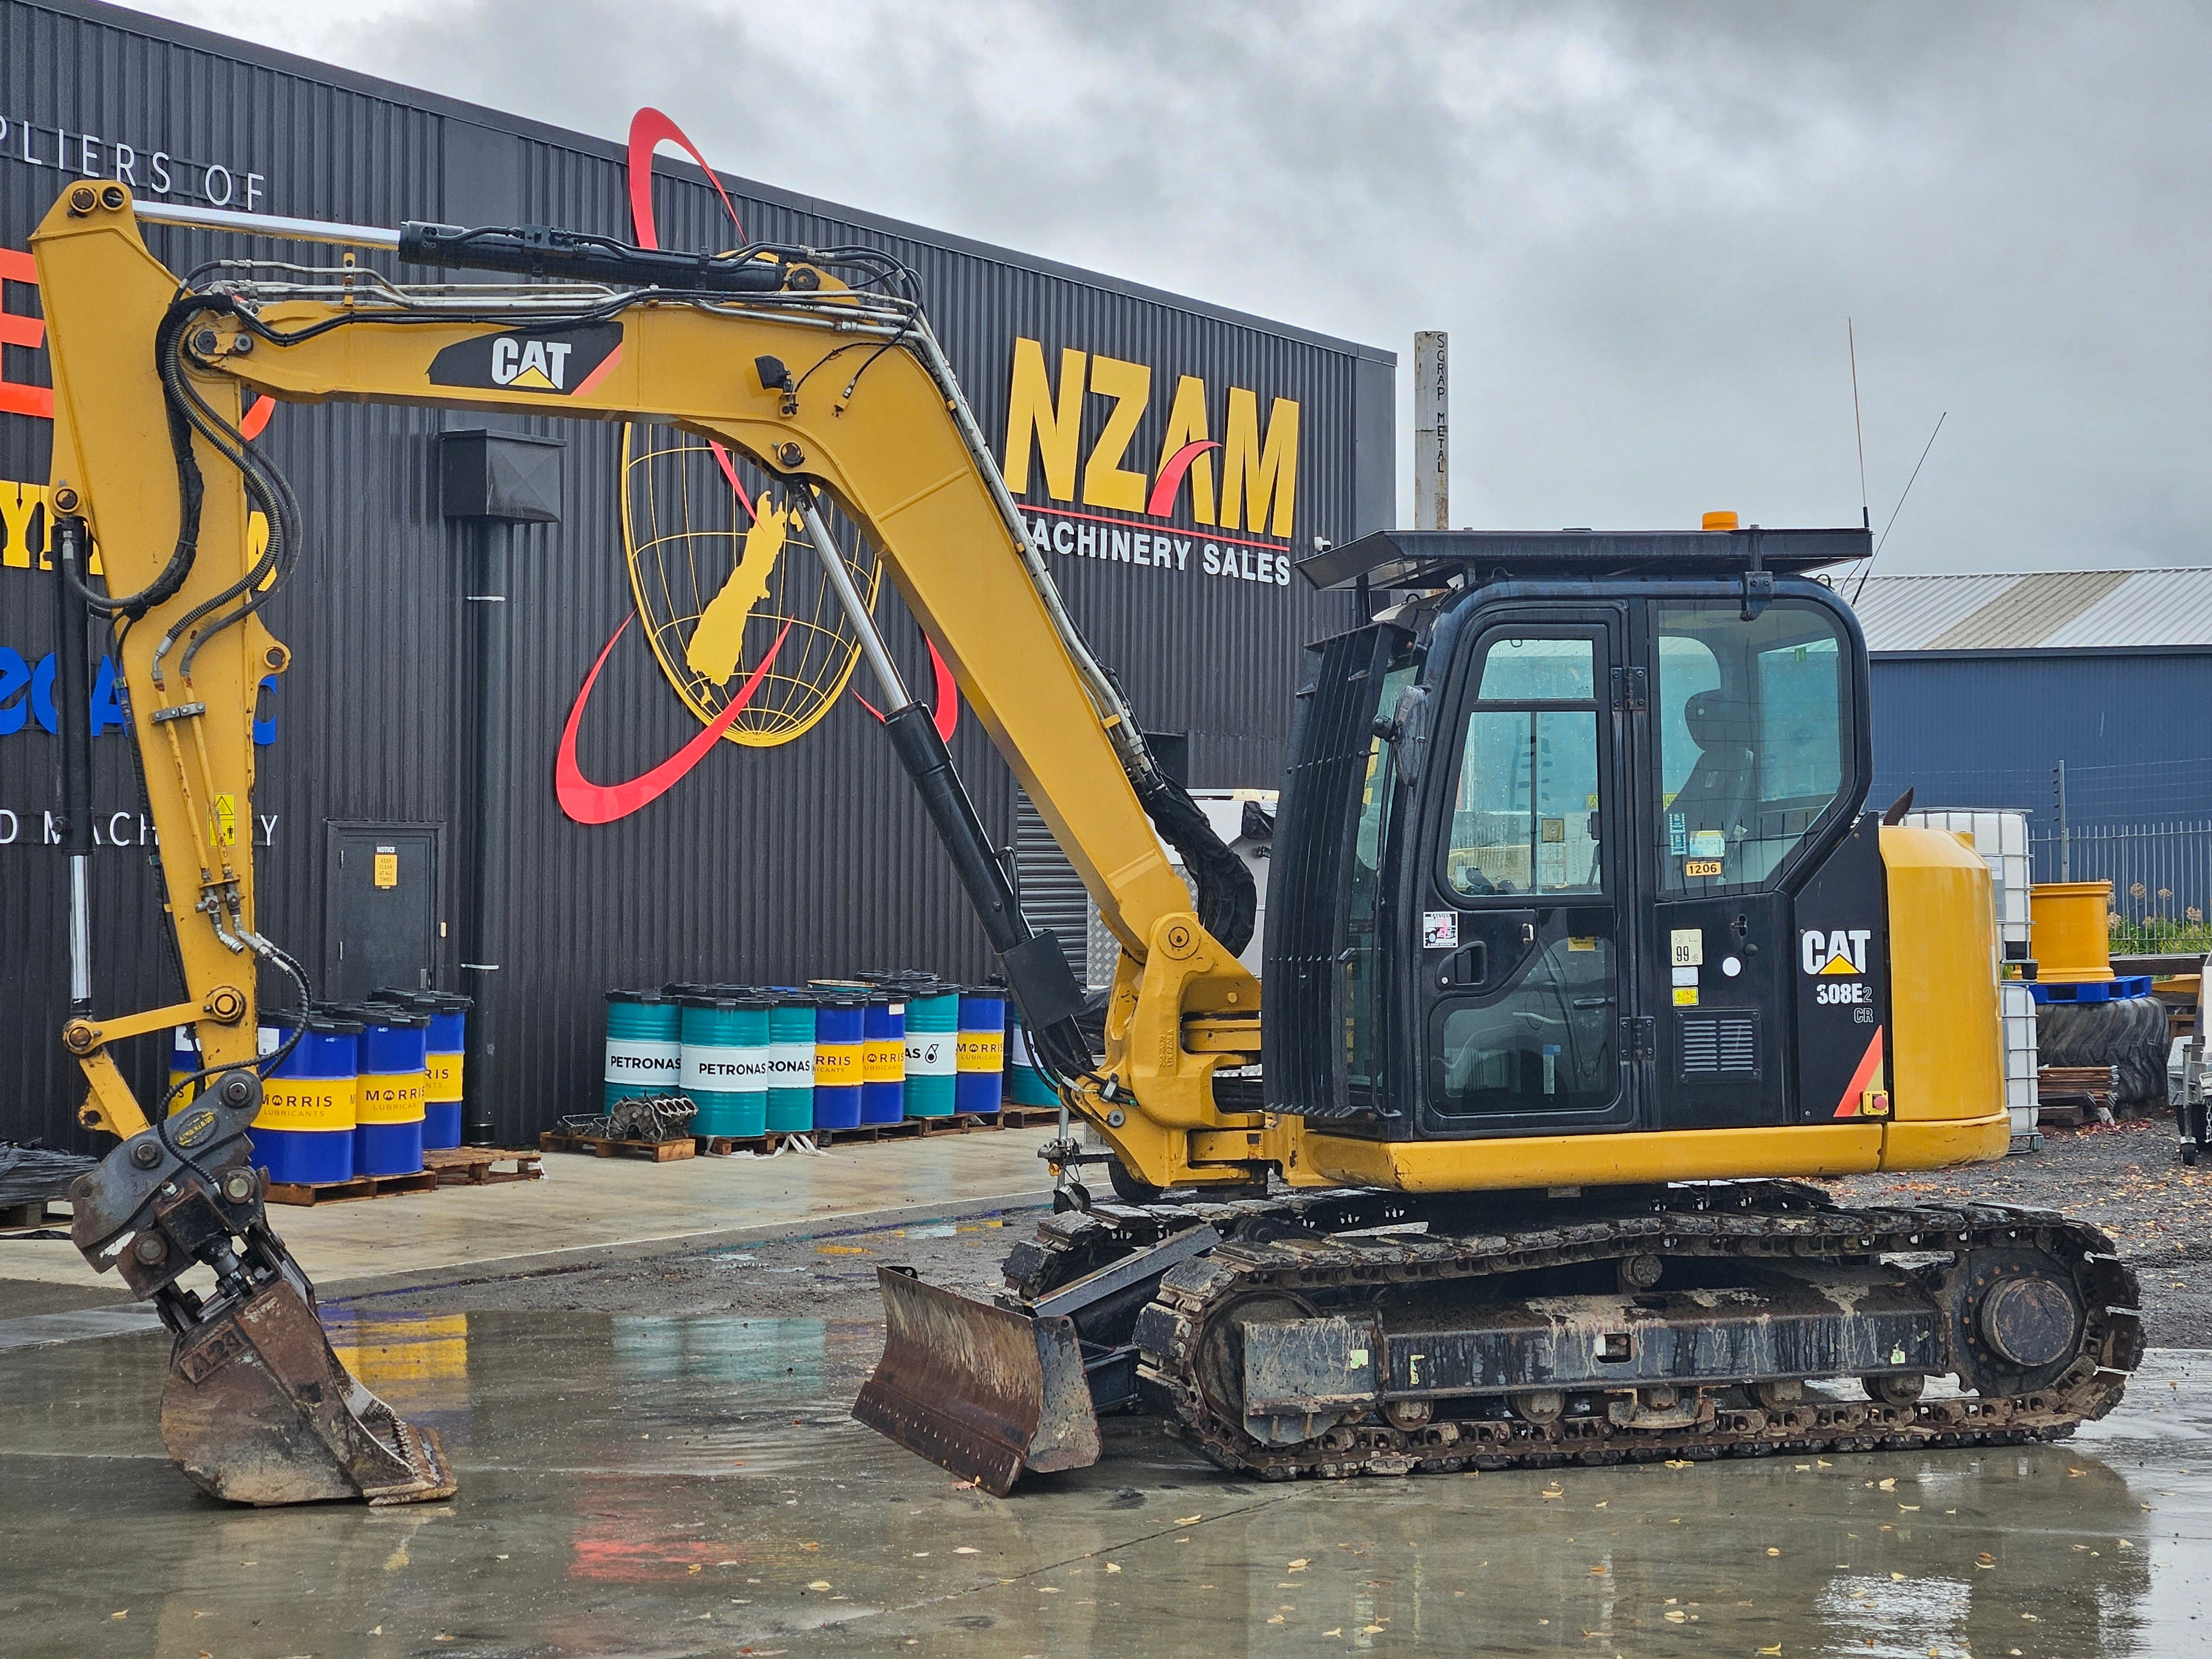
[(1716, 794)]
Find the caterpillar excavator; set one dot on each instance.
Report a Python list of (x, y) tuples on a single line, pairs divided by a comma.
[(1580, 949)]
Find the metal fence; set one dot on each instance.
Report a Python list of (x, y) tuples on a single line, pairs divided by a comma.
[(2161, 873)]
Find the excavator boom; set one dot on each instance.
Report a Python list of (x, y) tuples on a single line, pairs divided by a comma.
[(843, 397)]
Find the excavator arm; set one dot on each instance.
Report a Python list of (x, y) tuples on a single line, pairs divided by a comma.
[(839, 392)]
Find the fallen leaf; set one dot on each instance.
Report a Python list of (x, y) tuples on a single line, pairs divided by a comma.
[(1189, 1520), (1597, 1572), (1770, 1550), (1678, 1464), (2031, 1618), (1600, 1504), (1909, 1509), (1889, 1485), (1338, 1630), (1897, 1575), (1298, 1565), (1675, 1616), (819, 1584), (1777, 1648), (1276, 1619), (2125, 1545), (125, 1613), (1552, 1491), (966, 1550), (1113, 1566), (814, 1546), (696, 1567), (920, 1554)]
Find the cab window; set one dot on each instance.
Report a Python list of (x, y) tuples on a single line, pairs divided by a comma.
[(1525, 818), (1754, 720)]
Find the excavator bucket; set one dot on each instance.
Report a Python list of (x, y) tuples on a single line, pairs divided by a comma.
[(259, 1410), (980, 1390)]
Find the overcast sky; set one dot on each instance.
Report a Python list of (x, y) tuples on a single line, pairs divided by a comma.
[(1644, 225)]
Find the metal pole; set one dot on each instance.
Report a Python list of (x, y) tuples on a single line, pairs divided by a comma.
[(840, 579), (2065, 838), (487, 930), (265, 224), (1431, 432), (73, 714)]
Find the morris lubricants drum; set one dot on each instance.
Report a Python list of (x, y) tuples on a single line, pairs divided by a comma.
[(840, 1051), (184, 1066), (644, 1047), (304, 1131), (395, 1067), (981, 1065), (1026, 1085), (790, 1065), (932, 1038), (724, 1062), (882, 1060), (448, 1056)]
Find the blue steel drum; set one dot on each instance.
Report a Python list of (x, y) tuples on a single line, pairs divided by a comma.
[(448, 1058), (882, 1060), (395, 1075), (840, 1054), (980, 1066), (304, 1131)]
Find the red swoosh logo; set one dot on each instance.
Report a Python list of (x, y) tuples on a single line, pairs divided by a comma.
[(603, 803), (648, 129), (1162, 503), (945, 712)]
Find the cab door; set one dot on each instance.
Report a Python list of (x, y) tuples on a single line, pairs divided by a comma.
[(1525, 877)]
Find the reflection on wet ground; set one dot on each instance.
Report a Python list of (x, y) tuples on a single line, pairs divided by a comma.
[(671, 1485)]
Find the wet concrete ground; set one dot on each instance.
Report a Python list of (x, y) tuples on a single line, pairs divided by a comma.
[(674, 1485)]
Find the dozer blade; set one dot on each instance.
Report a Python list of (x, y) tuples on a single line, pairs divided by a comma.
[(977, 1390), (259, 1410)]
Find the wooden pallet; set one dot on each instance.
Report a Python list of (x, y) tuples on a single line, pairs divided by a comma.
[(472, 1166), (332, 1192), (661, 1151), (13, 1217), (910, 1129), (2074, 1094)]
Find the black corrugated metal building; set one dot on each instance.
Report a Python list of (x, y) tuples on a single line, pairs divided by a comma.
[(765, 864)]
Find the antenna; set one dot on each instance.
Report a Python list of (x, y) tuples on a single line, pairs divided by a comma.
[(1859, 426), (1899, 508)]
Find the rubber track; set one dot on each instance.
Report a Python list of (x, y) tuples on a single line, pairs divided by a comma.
[(1285, 1245)]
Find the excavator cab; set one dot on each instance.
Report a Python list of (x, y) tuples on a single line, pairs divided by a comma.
[(1561, 826)]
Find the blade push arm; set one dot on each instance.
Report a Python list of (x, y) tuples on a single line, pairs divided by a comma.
[(833, 389)]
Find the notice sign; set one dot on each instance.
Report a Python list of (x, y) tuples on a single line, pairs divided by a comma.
[(384, 871)]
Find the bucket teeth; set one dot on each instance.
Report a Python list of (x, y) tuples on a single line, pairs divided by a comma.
[(258, 1410)]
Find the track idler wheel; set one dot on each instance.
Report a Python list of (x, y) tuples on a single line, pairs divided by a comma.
[(1897, 1389)]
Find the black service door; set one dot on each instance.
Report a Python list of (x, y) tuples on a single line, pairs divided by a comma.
[(382, 906), (1526, 958)]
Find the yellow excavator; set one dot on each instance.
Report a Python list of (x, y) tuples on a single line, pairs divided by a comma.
[(1579, 945)]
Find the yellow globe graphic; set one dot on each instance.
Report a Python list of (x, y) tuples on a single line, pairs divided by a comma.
[(729, 586)]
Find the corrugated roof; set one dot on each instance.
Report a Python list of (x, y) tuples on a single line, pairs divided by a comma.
[(2047, 610)]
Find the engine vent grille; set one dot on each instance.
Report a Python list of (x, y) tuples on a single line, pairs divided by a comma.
[(1720, 1048)]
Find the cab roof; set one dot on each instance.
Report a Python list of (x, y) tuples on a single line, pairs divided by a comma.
[(1428, 558)]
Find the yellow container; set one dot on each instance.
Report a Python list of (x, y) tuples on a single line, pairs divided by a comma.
[(2068, 931)]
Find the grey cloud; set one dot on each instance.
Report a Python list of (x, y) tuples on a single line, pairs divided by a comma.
[(1643, 224)]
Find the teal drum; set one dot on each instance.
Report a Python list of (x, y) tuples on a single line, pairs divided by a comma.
[(724, 1064), (790, 1065), (932, 1050), (1026, 1085), (645, 1046)]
